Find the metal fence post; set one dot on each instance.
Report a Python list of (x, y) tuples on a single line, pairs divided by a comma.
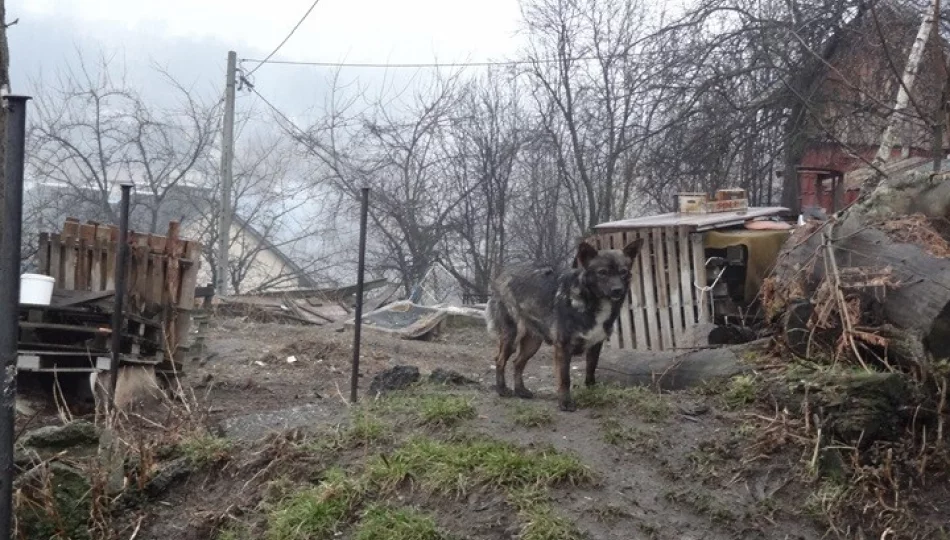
[(10, 252), (354, 375), (118, 312)]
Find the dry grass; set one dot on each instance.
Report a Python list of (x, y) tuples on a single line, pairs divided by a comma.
[(73, 494)]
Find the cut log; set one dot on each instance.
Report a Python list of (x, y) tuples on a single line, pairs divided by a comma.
[(671, 371), (866, 240)]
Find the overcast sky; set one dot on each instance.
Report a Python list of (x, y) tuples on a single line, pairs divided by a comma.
[(192, 37)]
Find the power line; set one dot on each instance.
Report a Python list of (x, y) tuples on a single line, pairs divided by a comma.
[(305, 133), (294, 29), (279, 112), (487, 63)]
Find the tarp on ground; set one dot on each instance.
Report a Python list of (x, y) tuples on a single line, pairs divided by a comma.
[(406, 319)]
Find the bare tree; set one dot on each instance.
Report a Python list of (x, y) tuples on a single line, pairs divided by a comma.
[(93, 131), (275, 214), (596, 98), (79, 139), (397, 148), (485, 144), (166, 145)]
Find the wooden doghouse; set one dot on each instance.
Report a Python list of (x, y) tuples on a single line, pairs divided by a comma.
[(666, 298)]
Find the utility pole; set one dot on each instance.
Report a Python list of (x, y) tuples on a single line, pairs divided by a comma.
[(227, 158)]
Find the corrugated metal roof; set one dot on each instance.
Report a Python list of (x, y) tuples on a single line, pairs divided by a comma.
[(699, 222)]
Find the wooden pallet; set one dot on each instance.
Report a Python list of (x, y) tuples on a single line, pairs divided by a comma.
[(663, 302), (160, 288)]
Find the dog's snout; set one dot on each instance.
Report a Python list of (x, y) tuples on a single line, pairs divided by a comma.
[(616, 292)]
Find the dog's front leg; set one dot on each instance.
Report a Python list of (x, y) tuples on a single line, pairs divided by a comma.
[(593, 356), (562, 371)]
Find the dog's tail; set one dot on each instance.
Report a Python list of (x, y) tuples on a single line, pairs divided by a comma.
[(489, 314), (497, 316)]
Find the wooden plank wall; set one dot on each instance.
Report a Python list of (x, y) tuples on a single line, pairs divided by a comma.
[(162, 271), (663, 302)]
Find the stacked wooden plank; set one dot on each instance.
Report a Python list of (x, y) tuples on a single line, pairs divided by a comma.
[(70, 335), (161, 280)]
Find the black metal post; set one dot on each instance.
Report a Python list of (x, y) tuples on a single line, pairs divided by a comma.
[(118, 312), (10, 238), (359, 296)]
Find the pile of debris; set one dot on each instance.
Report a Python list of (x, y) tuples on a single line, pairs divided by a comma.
[(301, 306), (434, 303), (873, 281)]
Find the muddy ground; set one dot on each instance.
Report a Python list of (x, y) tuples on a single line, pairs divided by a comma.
[(686, 465), (672, 481)]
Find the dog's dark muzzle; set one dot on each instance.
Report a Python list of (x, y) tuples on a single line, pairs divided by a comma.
[(617, 294)]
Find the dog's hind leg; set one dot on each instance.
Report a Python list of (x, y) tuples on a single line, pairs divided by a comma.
[(502, 325), (506, 344), (528, 345)]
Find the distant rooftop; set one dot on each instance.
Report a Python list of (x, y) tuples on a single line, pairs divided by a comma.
[(696, 222)]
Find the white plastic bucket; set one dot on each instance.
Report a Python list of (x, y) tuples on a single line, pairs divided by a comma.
[(36, 289)]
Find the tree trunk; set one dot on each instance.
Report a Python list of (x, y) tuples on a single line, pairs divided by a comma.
[(906, 85), (4, 85), (868, 236), (675, 371)]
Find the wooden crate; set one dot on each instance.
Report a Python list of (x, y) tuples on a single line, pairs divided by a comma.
[(160, 284), (663, 302)]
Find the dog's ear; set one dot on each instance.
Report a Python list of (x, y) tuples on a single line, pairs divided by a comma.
[(632, 249), (585, 253)]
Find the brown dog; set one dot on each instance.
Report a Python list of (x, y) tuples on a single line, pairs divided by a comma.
[(574, 311)]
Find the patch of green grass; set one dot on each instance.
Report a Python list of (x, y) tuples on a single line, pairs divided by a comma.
[(741, 390), (646, 403), (617, 434), (204, 450), (365, 428), (531, 416), (433, 408), (444, 410), (456, 466), (315, 512), (381, 522), (540, 522)]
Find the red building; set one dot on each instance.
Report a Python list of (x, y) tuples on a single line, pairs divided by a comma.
[(854, 100)]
